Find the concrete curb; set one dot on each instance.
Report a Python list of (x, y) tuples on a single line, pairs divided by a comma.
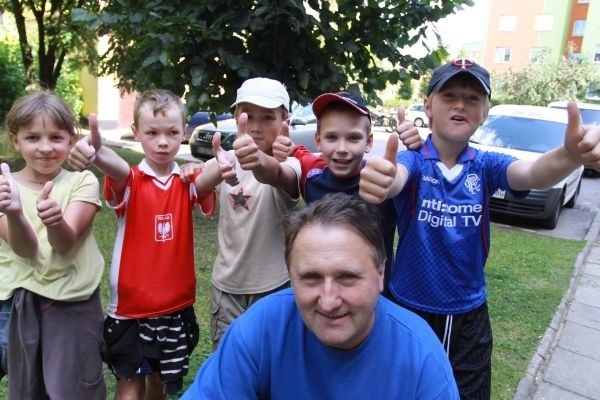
[(529, 383)]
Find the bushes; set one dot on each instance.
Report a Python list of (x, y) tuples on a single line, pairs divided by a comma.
[(12, 76)]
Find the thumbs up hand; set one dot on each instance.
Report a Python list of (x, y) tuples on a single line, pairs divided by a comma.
[(83, 153), (407, 131), (377, 176), (10, 198), (246, 150), (582, 142), (282, 144), (225, 160), (48, 209)]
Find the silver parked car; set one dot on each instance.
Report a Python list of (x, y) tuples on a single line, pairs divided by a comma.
[(303, 125)]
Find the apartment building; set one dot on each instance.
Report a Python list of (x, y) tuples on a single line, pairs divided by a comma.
[(523, 32)]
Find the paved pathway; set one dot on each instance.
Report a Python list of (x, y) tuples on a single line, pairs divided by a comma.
[(566, 365)]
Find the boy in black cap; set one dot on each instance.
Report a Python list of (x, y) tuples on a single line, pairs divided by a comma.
[(442, 198), (343, 136)]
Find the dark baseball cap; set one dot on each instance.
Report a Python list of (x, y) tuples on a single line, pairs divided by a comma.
[(325, 99), (462, 65)]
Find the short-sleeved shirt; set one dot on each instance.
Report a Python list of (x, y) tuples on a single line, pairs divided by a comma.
[(444, 228), (269, 353), (251, 255), (152, 271), (71, 276)]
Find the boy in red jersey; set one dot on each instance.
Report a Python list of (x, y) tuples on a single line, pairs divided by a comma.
[(152, 277)]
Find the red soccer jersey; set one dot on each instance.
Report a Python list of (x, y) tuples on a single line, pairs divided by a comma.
[(152, 271)]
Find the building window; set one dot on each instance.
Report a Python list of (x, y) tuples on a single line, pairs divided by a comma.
[(583, 1), (538, 55), (597, 53), (578, 27), (508, 23), (502, 55), (544, 22)]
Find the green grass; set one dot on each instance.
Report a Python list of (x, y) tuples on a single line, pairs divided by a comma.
[(527, 276)]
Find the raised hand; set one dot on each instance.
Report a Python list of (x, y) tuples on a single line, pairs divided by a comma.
[(10, 198), (246, 151), (377, 176), (407, 131), (48, 209), (282, 144), (83, 153), (582, 142), (189, 170), (225, 160)]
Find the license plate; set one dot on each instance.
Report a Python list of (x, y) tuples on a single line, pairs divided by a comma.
[(499, 194), (204, 150)]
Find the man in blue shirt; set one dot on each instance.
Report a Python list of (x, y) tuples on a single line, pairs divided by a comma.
[(332, 336)]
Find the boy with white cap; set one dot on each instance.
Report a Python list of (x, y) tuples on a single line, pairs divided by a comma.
[(442, 196), (259, 191)]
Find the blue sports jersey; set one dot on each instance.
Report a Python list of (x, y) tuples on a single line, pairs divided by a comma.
[(444, 229)]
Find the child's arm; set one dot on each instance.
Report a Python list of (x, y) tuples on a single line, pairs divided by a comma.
[(383, 178), (216, 172), (89, 150), (266, 168), (14, 227), (581, 146), (64, 229)]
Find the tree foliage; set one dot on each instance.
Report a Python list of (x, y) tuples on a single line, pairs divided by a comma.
[(206, 49), (12, 83), (55, 38), (539, 84)]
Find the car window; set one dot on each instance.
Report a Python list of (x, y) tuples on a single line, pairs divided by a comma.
[(520, 133), (590, 117), (305, 115)]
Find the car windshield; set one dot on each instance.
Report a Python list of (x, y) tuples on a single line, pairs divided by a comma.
[(520, 133), (591, 117)]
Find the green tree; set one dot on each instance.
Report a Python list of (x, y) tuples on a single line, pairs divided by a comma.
[(565, 79), (55, 38), (405, 91), (205, 49), (12, 83)]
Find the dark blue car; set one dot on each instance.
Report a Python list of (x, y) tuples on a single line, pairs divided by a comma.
[(201, 118)]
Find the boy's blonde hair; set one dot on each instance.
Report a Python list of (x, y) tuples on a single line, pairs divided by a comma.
[(26, 108), (159, 101)]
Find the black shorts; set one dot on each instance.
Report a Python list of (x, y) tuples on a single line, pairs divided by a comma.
[(128, 354), (467, 339)]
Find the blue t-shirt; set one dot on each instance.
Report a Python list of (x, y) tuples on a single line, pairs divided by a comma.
[(268, 353), (444, 229)]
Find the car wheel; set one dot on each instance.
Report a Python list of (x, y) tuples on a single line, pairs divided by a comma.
[(419, 123), (573, 200), (552, 220)]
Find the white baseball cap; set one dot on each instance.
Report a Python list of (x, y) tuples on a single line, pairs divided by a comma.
[(263, 92)]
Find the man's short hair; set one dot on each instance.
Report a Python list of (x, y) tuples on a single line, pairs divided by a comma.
[(338, 209)]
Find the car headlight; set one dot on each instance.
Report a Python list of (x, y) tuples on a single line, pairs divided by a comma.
[(194, 135)]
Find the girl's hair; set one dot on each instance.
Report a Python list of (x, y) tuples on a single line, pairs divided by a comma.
[(159, 101), (26, 108)]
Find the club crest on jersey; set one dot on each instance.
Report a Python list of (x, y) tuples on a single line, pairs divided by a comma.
[(163, 227), (472, 183)]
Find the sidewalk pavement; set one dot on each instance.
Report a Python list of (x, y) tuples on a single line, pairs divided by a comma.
[(566, 365)]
